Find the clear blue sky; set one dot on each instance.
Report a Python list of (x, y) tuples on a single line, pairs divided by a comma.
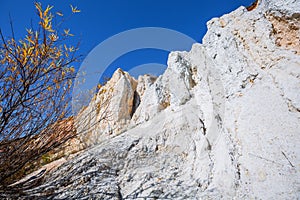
[(100, 19)]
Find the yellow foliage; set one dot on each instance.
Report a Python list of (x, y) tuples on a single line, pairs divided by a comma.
[(71, 49), (39, 8), (13, 68), (29, 39), (72, 69), (29, 31), (67, 32), (60, 13), (47, 10), (46, 17), (53, 37), (39, 58), (75, 10)]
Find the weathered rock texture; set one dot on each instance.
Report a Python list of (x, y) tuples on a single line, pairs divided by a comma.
[(110, 111), (223, 120)]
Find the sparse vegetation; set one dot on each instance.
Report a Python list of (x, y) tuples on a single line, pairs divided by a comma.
[(35, 83)]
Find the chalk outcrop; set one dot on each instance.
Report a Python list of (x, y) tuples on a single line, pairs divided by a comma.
[(110, 111), (222, 121)]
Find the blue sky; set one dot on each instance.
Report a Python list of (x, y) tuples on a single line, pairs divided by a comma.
[(101, 19)]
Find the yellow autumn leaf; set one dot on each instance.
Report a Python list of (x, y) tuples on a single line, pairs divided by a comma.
[(24, 44), (30, 49), (24, 52), (67, 32), (71, 49), (39, 8), (28, 38), (72, 69), (36, 34), (47, 25), (59, 13), (13, 68), (47, 10), (49, 88), (74, 9), (53, 37), (29, 31)]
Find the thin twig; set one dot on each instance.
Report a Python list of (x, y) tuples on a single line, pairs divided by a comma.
[(272, 161), (287, 158)]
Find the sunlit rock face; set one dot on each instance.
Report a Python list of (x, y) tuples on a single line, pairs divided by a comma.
[(110, 111), (258, 59), (222, 121)]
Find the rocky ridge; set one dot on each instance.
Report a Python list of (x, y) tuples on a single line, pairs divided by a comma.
[(222, 121)]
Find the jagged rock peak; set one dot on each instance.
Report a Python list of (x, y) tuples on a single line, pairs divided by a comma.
[(110, 110)]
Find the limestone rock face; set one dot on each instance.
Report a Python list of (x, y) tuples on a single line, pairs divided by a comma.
[(144, 82), (260, 78), (110, 110), (222, 121), (120, 99), (170, 89)]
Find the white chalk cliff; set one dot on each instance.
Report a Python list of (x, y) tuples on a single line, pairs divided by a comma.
[(223, 121)]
